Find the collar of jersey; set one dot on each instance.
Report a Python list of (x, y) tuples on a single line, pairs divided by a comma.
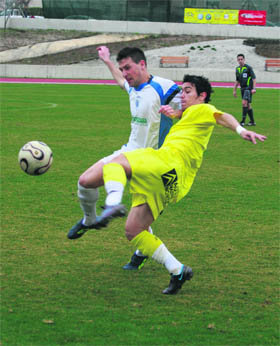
[(141, 86)]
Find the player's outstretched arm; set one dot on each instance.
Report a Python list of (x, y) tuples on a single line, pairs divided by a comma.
[(252, 136), (227, 120), (104, 55)]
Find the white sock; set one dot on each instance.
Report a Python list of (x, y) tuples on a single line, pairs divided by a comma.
[(138, 252), (163, 256), (88, 199), (114, 191)]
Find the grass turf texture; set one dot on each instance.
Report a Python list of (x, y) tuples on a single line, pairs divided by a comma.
[(61, 292)]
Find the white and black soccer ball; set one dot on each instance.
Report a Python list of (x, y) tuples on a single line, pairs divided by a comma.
[(35, 158)]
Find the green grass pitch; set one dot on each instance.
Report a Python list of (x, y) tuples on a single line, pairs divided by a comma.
[(60, 292)]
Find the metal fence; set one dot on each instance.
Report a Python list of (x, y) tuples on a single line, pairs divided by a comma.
[(151, 10)]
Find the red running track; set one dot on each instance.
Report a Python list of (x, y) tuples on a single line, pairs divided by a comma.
[(112, 82)]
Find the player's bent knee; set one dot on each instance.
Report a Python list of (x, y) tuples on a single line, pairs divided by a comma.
[(83, 181), (129, 234), (131, 231), (87, 181)]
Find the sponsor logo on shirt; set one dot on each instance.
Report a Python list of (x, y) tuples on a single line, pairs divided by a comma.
[(139, 121)]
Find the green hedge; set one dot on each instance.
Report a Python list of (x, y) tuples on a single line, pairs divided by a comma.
[(35, 11)]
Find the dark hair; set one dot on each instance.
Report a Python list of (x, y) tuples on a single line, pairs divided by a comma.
[(201, 84), (136, 54), (243, 56)]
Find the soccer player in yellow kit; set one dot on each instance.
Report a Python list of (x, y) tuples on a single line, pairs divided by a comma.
[(162, 176)]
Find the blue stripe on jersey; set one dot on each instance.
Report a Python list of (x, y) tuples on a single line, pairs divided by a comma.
[(141, 86), (165, 122), (170, 92), (158, 89)]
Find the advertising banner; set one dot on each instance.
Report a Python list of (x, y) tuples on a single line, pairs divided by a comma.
[(247, 17), (210, 16)]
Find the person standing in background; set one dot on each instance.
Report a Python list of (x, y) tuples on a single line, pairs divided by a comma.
[(246, 78)]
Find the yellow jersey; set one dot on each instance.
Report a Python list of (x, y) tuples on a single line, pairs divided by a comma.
[(188, 139), (164, 176)]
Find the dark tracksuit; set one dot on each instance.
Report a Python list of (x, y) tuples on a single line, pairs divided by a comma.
[(245, 76)]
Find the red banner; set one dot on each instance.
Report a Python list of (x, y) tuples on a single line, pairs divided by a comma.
[(247, 17)]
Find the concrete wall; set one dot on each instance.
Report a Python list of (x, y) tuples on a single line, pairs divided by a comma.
[(80, 71), (106, 26), (35, 3), (86, 72)]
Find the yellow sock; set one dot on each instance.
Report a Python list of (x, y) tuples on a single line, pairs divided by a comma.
[(146, 242), (153, 247), (114, 172)]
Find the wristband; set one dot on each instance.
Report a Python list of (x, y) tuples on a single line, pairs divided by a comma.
[(239, 129)]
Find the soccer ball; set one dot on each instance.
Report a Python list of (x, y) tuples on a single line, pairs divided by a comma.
[(35, 158)]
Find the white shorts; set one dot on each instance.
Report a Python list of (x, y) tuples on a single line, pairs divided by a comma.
[(116, 153)]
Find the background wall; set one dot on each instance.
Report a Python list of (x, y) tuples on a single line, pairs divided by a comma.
[(104, 26), (144, 27), (85, 72)]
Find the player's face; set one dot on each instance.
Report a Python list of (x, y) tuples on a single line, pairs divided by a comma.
[(189, 96), (241, 60), (134, 73)]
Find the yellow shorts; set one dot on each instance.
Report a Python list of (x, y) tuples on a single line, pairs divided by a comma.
[(154, 179)]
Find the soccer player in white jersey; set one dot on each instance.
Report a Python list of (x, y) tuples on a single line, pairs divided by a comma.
[(148, 129)]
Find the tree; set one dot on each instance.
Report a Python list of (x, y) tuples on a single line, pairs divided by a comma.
[(20, 4)]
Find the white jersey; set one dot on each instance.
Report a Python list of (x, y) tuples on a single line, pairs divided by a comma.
[(149, 127)]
